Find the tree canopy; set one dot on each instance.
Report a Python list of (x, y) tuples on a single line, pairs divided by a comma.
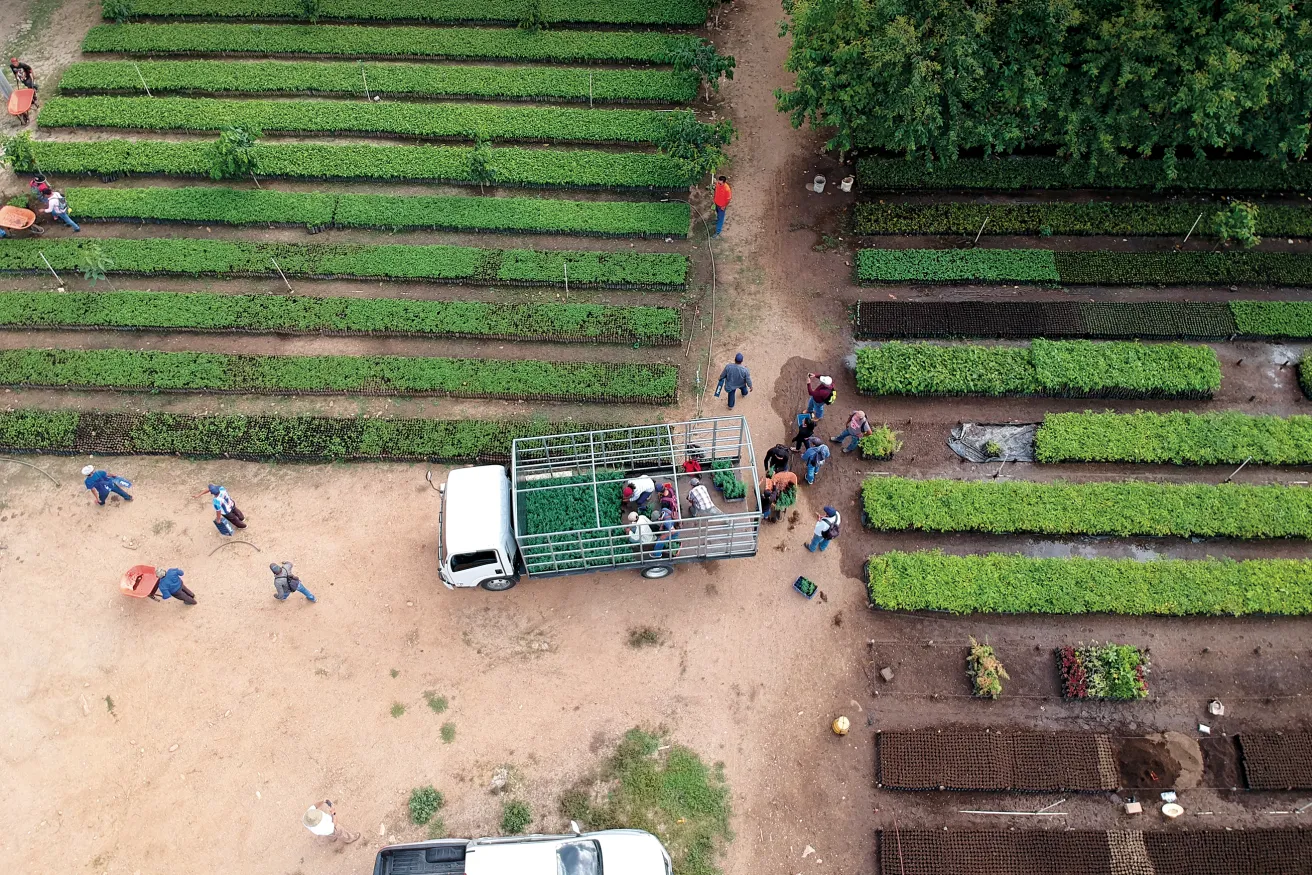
[(1099, 79)]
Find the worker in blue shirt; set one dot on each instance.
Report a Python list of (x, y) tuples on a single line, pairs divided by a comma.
[(170, 586), (815, 456), (736, 378), (103, 483)]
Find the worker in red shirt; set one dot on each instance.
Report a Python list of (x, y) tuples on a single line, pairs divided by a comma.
[(723, 194)]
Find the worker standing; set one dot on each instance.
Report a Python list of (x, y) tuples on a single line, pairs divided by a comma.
[(170, 586), (827, 527), (23, 76), (820, 395), (815, 457), (103, 483), (225, 508), (58, 208), (806, 423), (777, 459), (285, 582), (723, 194), (858, 426), (736, 378), (323, 822)]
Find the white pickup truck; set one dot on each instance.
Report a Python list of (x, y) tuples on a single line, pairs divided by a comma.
[(609, 852)]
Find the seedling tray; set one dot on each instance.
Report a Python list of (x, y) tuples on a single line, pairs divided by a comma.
[(805, 587)]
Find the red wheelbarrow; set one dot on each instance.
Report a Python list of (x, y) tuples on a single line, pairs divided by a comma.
[(139, 581), (20, 103), (18, 219)]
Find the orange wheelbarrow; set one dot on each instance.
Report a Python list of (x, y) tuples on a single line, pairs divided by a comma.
[(20, 103), (18, 219), (139, 581)]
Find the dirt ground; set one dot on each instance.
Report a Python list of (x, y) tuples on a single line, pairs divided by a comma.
[(230, 717)]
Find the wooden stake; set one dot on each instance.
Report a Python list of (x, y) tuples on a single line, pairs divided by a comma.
[(981, 229), (366, 81), (52, 270), (566, 265), (589, 89), (283, 275), (1191, 229), (142, 78), (1240, 468)]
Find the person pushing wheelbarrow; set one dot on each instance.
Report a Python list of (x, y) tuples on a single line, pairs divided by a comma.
[(23, 98)]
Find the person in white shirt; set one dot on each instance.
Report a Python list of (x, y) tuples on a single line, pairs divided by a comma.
[(640, 532), (58, 208), (321, 820), (826, 529)]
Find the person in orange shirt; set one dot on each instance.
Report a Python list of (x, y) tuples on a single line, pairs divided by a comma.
[(723, 194)]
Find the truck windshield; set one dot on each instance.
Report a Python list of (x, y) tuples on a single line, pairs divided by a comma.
[(579, 858)]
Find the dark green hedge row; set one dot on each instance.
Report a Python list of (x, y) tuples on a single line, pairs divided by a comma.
[(1012, 584), (304, 314), (403, 80), (506, 44), (436, 263), (1305, 377), (1175, 438), (1045, 267), (1013, 174), (436, 120), (392, 213), (671, 12), (1077, 368), (1131, 508), (270, 438), (362, 375), (585, 168), (1120, 219)]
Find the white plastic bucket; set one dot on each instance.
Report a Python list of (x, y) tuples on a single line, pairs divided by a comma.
[(819, 185), (846, 184)]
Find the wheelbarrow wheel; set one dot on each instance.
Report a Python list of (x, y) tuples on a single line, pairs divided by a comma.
[(36, 230)]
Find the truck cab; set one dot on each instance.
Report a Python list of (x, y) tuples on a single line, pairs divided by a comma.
[(476, 535), (607, 852)]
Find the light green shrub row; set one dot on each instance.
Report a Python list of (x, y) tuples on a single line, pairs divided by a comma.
[(1175, 438)]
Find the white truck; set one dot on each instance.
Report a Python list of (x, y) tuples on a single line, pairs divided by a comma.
[(608, 852), (558, 508)]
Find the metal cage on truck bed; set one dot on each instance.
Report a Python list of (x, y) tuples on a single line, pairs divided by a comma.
[(566, 494)]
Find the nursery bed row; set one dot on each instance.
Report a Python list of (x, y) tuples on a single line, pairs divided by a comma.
[(1277, 760), (458, 264), (1021, 173), (1045, 267), (390, 80), (1130, 508), (995, 761), (386, 212), (149, 371), (1176, 438), (1011, 584), (279, 314), (437, 121), (1120, 219), (667, 12), (1025, 319), (1069, 368), (504, 44), (582, 168), (270, 438)]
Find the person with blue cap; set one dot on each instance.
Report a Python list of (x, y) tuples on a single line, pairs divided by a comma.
[(736, 378), (225, 508), (826, 529)]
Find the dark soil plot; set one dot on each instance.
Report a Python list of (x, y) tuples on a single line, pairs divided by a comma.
[(974, 759), (1277, 761), (1146, 763)]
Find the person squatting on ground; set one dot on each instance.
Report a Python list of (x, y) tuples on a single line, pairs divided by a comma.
[(322, 821), (736, 378), (103, 483), (638, 491), (821, 395), (640, 533), (170, 586), (665, 525), (827, 526), (699, 500), (58, 208), (858, 426), (723, 194), (806, 425), (815, 457), (285, 582)]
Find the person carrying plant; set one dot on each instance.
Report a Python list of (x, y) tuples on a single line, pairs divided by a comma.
[(170, 586), (723, 194), (815, 457), (103, 483), (827, 527), (822, 394), (58, 207), (736, 378), (858, 426), (777, 459), (780, 481), (806, 423)]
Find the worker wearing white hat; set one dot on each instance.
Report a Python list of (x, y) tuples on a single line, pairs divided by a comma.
[(322, 821), (822, 394), (103, 483)]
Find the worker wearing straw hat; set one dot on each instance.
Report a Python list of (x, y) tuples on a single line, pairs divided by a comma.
[(321, 820)]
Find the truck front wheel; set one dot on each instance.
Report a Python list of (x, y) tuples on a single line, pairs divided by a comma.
[(499, 584), (656, 572)]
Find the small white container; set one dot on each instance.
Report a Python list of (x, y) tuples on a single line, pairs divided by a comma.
[(819, 185), (846, 184)]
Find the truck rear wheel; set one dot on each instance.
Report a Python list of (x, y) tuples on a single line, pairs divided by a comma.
[(656, 572), (499, 584)]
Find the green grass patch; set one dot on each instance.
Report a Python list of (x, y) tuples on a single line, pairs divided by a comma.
[(1013, 584), (1126, 509), (188, 257), (397, 709), (1071, 368), (448, 732), (201, 311), (342, 78), (670, 12), (149, 371), (664, 788), (516, 817), (575, 168), (425, 802), (437, 703), (1175, 438)]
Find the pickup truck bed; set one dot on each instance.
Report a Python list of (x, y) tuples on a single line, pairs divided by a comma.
[(446, 859)]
